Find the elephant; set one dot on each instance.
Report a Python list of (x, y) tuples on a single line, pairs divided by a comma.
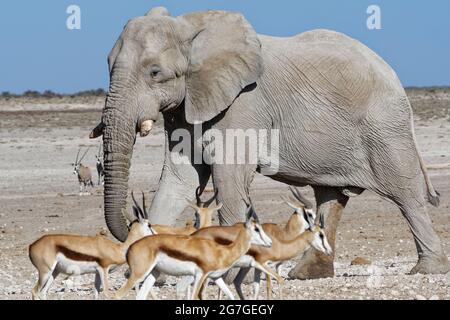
[(344, 122)]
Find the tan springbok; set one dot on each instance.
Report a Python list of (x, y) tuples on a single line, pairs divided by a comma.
[(181, 255), (78, 255), (204, 211), (287, 242)]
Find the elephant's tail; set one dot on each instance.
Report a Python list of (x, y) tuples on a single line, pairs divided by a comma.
[(433, 195)]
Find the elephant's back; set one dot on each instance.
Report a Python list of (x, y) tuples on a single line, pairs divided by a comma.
[(321, 47), (340, 69)]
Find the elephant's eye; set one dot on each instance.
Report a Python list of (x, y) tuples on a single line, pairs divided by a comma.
[(155, 71)]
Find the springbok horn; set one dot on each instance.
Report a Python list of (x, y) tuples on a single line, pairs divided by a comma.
[(291, 204), (197, 196), (253, 212), (137, 205), (248, 213), (97, 131), (208, 203), (297, 194), (143, 205)]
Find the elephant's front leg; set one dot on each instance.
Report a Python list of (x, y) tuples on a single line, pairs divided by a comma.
[(177, 185), (179, 179), (314, 264), (233, 183)]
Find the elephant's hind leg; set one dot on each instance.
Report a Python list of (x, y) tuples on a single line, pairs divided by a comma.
[(401, 180), (431, 255), (314, 264)]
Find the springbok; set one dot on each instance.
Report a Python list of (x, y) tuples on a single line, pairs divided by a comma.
[(296, 237), (83, 173), (99, 165), (78, 255), (203, 217), (181, 255), (295, 226), (285, 250)]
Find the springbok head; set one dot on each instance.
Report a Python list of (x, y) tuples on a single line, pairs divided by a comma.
[(252, 224), (140, 226), (303, 208), (320, 241), (204, 210)]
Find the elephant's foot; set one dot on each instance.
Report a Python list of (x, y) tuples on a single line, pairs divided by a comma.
[(313, 265), (160, 280), (431, 265), (232, 273)]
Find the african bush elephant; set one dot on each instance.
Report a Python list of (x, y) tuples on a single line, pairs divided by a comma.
[(344, 121)]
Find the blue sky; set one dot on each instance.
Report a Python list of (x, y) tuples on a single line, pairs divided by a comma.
[(38, 52)]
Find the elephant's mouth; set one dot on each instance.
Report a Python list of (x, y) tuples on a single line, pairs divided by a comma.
[(144, 129)]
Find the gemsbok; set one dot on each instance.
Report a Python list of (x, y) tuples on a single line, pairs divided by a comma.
[(99, 165), (181, 255), (78, 255), (83, 173)]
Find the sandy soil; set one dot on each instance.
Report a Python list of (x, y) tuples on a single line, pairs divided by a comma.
[(39, 194)]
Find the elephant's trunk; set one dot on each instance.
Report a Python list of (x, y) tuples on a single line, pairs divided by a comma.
[(118, 140)]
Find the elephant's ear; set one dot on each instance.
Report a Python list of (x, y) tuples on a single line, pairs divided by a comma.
[(224, 57)]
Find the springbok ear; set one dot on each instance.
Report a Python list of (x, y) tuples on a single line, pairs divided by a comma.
[(192, 204), (291, 204), (225, 57), (322, 220), (308, 219), (217, 208)]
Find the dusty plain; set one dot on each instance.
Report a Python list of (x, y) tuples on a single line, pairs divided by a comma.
[(39, 140)]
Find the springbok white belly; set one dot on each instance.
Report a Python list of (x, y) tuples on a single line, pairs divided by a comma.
[(175, 267), (245, 261), (74, 267), (217, 273)]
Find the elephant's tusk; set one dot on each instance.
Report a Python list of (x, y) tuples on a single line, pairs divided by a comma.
[(146, 127), (97, 131)]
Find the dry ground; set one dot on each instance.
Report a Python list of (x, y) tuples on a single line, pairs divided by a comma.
[(39, 194)]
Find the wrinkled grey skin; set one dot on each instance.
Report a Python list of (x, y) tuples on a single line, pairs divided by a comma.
[(344, 119)]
